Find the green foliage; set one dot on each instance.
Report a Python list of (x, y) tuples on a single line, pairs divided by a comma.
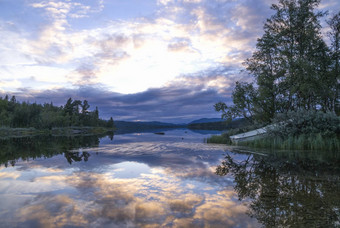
[(302, 130), (334, 34), (299, 130), (304, 122), (224, 138), (219, 139), (75, 113), (301, 142), (244, 98), (292, 66)]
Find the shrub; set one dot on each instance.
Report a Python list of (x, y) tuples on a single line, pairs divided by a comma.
[(219, 139), (302, 142), (303, 122)]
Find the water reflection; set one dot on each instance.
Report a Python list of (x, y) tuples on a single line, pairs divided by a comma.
[(288, 189), (28, 148), (148, 180), (153, 200), (134, 181)]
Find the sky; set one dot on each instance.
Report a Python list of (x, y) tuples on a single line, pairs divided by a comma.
[(137, 60)]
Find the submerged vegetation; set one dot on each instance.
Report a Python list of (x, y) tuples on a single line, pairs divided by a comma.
[(296, 80), (74, 113)]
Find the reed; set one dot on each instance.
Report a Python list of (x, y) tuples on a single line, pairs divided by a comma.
[(218, 139), (301, 142)]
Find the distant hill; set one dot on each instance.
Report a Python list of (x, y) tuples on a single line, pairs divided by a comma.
[(219, 125), (207, 120), (127, 126), (200, 124)]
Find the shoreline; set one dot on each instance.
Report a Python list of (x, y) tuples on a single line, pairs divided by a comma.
[(7, 132)]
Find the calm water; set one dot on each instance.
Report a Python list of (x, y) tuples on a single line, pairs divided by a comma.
[(171, 180)]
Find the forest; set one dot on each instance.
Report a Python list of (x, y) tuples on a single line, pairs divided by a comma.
[(16, 114)]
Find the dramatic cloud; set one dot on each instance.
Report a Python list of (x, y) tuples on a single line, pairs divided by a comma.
[(140, 49), (181, 100)]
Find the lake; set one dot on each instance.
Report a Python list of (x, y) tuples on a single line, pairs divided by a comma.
[(170, 180)]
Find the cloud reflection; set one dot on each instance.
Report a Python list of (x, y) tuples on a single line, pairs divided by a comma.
[(130, 184), (52, 211), (152, 200)]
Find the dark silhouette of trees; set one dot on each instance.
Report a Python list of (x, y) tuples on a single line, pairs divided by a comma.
[(287, 190), (110, 123), (292, 66), (73, 113), (30, 148), (334, 34)]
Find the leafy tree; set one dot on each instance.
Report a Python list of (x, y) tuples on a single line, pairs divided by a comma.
[(244, 96), (290, 61), (334, 34)]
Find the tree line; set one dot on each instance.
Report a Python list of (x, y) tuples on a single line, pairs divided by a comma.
[(293, 67), (41, 116)]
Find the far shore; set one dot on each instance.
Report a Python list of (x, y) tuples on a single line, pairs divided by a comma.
[(7, 132)]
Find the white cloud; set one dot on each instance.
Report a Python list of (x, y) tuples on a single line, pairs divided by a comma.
[(148, 53), (164, 2), (183, 37)]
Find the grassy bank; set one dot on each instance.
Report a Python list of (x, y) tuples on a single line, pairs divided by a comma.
[(295, 130), (218, 139), (302, 142), (63, 131)]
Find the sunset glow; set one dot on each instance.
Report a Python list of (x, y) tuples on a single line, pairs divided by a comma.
[(51, 50)]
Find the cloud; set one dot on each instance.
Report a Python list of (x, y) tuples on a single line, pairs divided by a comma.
[(9, 83), (180, 44), (164, 2), (87, 74), (182, 100), (148, 51), (143, 57)]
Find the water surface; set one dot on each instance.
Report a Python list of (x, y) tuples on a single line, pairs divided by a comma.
[(171, 180)]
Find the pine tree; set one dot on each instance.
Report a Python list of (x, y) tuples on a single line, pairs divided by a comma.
[(110, 123)]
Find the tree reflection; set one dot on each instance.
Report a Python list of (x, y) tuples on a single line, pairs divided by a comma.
[(76, 156), (285, 192), (30, 148)]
